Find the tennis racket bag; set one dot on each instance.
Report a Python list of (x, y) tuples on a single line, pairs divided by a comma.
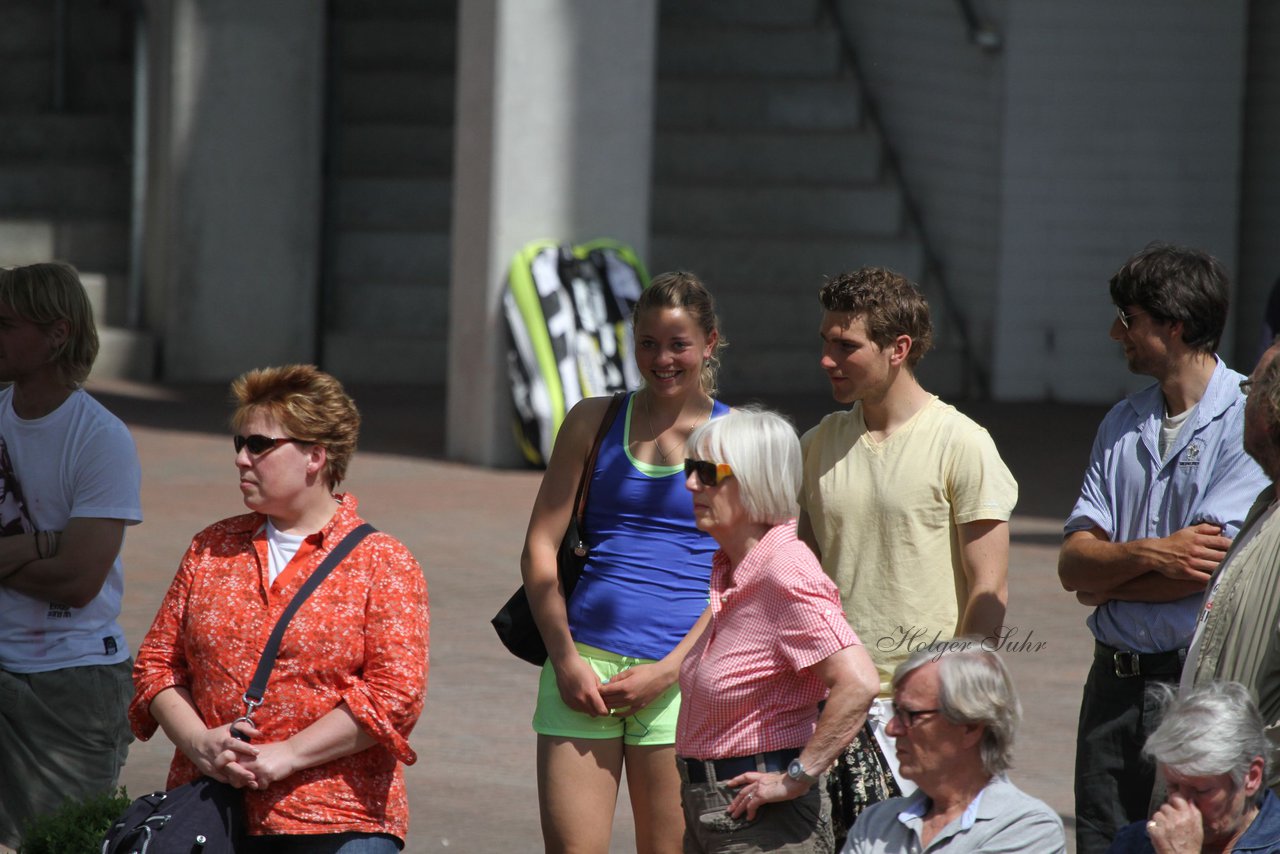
[(568, 311)]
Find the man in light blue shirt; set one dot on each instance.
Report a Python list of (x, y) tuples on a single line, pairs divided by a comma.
[(1167, 487)]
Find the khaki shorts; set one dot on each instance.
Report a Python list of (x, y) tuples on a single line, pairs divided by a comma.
[(800, 826), (64, 734)]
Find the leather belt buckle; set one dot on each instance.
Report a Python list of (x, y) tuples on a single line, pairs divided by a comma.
[(1126, 664)]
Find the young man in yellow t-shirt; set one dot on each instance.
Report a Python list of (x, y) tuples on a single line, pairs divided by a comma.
[(906, 502)]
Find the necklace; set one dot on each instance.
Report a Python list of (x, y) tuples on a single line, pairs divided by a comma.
[(657, 446)]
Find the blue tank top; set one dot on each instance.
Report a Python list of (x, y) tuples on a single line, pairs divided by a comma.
[(646, 581)]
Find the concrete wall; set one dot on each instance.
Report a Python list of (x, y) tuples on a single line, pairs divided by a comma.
[(1260, 189), (1122, 125), (554, 118), (234, 211)]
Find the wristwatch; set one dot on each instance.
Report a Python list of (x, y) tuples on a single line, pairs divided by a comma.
[(796, 772)]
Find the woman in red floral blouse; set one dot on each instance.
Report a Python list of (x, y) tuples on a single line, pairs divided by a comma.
[(321, 771)]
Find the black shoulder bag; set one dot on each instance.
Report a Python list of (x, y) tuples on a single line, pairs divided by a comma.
[(207, 815), (514, 623)]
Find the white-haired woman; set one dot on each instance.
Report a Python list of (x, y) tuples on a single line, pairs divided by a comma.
[(1211, 751), (750, 739)]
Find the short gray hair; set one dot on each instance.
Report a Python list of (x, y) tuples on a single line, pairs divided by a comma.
[(1215, 729), (763, 450), (974, 687)]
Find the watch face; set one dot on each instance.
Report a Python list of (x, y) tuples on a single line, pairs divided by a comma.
[(795, 770)]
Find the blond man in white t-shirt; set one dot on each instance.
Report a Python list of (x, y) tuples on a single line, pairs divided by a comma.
[(906, 502), (71, 481)]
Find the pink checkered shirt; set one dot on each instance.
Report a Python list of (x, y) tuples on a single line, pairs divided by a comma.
[(746, 687)]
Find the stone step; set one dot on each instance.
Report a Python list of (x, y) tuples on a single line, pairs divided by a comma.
[(125, 354), (396, 44), (382, 307), (102, 86), (755, 265), (393, 203), (417, 360), (756, 363), (27, 31), (100, 245), (942, 371), (435, 10), (394, 255), (102, 137), (93, 29), (109, 295), (715, 51), (778, 211), (386, 96), (773, 13), (96, 288), (394, 149), (64, 188), (750, 104), (788, 313), (841, 157)]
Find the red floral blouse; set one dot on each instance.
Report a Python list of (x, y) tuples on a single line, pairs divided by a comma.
[(361, 638)]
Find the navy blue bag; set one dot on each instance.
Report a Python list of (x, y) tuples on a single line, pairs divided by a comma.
[(204, 816)]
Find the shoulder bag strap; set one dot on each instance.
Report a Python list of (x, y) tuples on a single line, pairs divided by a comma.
[(258, 687), (584, 482)]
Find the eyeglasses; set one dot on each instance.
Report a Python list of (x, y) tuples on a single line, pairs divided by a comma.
[(1125, 318), (908, 718), (709, 473), (259, 445), (1245, 386)]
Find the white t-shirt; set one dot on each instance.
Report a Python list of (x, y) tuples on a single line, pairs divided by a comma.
[(79, 461), (281, 548)]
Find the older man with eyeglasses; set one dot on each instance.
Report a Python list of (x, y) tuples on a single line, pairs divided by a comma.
[(955, 715), (1165, 491)]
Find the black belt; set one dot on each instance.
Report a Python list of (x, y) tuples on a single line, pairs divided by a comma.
[(702, 770), (1126, 664)]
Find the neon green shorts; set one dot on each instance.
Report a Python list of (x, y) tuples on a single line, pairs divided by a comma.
[(653, 725)]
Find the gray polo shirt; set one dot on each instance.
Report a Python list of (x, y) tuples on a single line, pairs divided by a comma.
[(1002, 818)]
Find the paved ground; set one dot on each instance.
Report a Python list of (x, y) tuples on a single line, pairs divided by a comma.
[(473, 787)]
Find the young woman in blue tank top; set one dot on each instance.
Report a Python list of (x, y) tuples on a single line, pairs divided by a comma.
[(608, 697)]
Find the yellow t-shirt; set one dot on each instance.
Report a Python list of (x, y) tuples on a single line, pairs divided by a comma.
[(884, 515)]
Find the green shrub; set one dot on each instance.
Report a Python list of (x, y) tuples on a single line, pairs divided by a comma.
[(76, 828)]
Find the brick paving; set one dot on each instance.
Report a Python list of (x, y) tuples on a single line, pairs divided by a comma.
[(473, 788)]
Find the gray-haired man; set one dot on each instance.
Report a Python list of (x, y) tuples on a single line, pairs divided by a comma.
[(955, 716)]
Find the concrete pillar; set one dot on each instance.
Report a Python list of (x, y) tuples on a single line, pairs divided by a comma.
[(554, 124), (233, 213)]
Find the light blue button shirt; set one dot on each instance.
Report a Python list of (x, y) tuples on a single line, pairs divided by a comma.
[(1131, 494), (1001, 818)]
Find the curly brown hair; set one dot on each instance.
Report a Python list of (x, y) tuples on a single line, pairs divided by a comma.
[(889, 304), (309, 404)]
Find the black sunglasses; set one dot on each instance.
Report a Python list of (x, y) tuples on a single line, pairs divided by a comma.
[(709, 473), (258, 444)]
